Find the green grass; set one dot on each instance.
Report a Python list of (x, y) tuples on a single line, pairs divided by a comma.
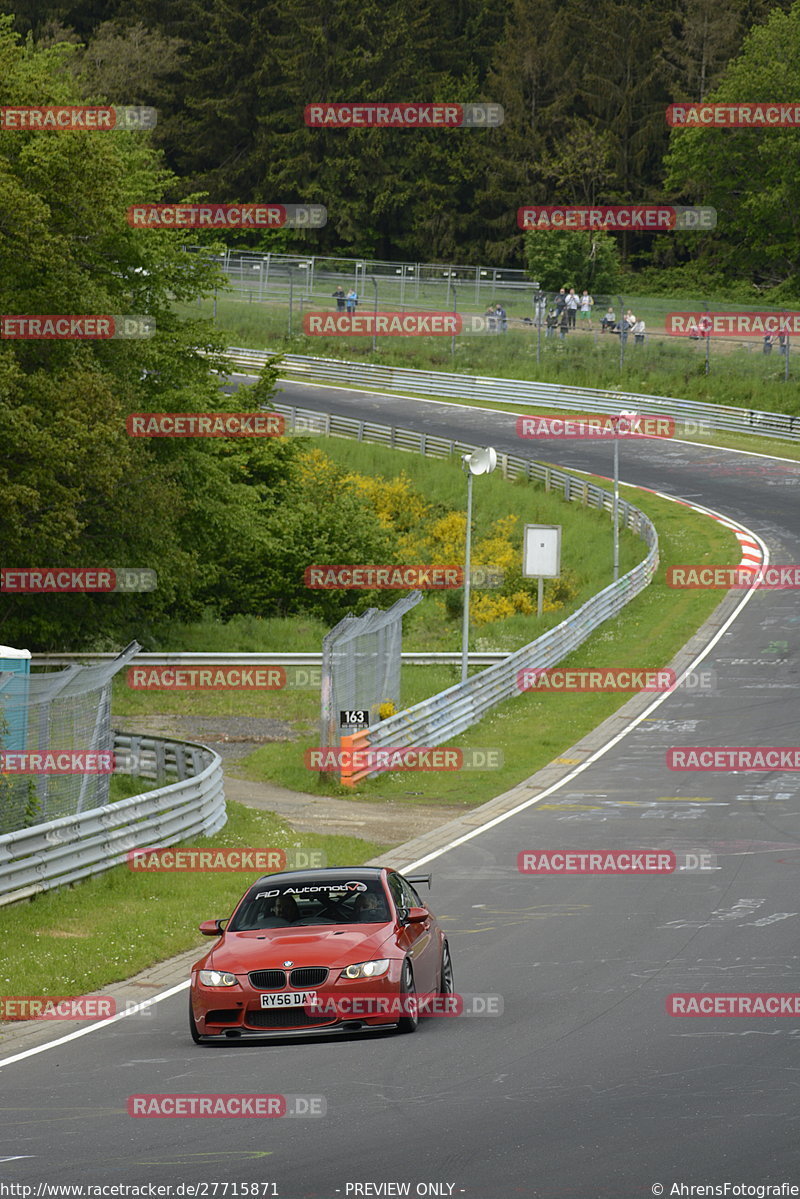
[(534, 728), (650, 631), (78, 939), (740, 374), (586, 550)]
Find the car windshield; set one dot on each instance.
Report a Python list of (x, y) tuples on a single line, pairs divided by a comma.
[(302, 904)]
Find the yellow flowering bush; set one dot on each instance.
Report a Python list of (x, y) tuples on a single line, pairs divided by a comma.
[(396, 504)]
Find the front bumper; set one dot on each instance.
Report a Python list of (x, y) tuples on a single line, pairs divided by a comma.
[(236, 1011)]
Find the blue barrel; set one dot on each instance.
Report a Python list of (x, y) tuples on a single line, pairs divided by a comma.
[(15, 668)]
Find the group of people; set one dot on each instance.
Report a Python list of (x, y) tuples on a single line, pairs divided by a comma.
[(563, 316), (627, 324), (346, 303), (496, 318)]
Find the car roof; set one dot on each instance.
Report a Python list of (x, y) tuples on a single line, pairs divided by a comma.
[(334, 874)]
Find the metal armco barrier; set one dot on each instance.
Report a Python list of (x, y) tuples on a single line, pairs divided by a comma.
[(451, 712), (62, 851), (187, 658), (689, 417)]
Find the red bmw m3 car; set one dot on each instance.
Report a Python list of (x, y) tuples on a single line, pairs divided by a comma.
[(321, 951)]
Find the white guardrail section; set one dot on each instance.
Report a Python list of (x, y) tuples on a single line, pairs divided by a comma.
[(187, 658), (62, 851), (691, 418), (451, 712)]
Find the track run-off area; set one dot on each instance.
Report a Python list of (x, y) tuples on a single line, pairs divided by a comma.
[(585, 1086)]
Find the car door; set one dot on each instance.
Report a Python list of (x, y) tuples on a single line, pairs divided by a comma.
[(418, 940)]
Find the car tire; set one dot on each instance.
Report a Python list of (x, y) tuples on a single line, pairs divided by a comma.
[(408, 988), (193, 1026), (446, 984)]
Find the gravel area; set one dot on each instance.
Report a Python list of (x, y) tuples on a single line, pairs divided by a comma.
[(234, 737)]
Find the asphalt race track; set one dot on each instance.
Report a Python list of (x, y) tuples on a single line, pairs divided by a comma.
[(584, 1087)]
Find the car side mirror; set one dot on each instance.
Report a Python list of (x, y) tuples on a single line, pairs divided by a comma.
[(212, 928), (416, 916)]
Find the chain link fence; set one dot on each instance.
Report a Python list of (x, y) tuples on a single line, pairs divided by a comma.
[(361, 665), (65, 711)]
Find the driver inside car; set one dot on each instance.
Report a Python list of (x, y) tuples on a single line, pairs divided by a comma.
[(286, 909), (368, 908)]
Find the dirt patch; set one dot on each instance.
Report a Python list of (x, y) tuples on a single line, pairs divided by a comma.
[(234, 737)]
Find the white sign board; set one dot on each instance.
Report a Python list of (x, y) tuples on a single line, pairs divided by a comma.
[(541, 552)]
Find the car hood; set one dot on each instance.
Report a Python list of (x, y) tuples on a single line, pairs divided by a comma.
[(270, 948)]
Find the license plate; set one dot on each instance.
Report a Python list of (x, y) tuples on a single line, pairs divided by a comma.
[(289, 999)]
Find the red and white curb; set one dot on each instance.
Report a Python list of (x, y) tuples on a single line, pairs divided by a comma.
[(754, 552)]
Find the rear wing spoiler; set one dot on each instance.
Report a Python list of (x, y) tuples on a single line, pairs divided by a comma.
[(416, 879)]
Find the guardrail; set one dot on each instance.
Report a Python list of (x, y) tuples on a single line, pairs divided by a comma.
[(692, 417), (187, 658), (452, 711), (62, 851)]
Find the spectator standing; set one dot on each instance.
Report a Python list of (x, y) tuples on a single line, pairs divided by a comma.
[(352, 300), (768, 343), (502, 319), (572, 307), (587, 304), (552, 322), (564, 324), (491, 318), (561, 300), (639, 331), (338, 296)]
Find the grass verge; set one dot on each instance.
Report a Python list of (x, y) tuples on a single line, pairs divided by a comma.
[(110, 927), (534, 728)]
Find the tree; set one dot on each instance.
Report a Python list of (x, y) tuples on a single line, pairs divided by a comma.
[(751, 176), (579, 258)]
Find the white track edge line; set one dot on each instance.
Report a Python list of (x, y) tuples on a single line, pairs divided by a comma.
[(82, 1032)]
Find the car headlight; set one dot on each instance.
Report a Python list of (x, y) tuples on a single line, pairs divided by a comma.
[(218, 978), (366, 969)]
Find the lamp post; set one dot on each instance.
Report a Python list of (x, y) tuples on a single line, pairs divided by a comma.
[(481, 462), (375, 315), (455, 310), (625, 414)]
